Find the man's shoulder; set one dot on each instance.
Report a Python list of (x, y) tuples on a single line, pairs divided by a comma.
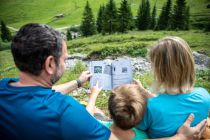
[(58, 102), (4, 81)]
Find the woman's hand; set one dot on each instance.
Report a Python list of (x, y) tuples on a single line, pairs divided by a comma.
[(138, 83), (143, 90)]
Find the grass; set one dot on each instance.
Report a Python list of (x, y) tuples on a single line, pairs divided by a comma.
[(197, 39), (7, 66), (19, 12)]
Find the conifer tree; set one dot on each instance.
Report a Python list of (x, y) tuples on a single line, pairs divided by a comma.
[(178, 17), (88, 24), (161, 19), (68, 35), (100, 19), (168, 13), (148, 15), (208, 26), (110, 18), (124, 17), (140, 16), (187, 18), (153, 18), (143, 17), (5, 33), (165, 16)]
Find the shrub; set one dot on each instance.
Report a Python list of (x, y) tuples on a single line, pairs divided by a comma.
[(4, 45), (115, 51), (203, 79)]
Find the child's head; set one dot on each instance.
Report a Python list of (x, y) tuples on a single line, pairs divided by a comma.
[(127, 106), (173, 64)]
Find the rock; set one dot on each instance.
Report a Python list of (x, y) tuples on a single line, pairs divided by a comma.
[(77, 56), (72, 59), (201, 60), (59, 16), (140, 65)]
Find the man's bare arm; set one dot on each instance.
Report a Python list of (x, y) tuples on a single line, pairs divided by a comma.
[(72, 85), (66, 87)]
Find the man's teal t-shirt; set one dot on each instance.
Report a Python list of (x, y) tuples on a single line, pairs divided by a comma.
[(38, 113), (139, 135), (166, 113)]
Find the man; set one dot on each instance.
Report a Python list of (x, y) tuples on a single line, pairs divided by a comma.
[(32, 109)]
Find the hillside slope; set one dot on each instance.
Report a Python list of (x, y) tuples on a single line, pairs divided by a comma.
[(18, 12)]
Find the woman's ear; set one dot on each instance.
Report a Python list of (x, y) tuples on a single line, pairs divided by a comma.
[(49, 65)]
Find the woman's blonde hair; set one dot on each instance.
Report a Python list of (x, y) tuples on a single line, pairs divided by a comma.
[(127, 106), (173, 64)]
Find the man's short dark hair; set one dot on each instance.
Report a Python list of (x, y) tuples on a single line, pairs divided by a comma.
[(32, 44)]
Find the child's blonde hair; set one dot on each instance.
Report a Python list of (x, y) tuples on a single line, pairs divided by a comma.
[(173, 64), (127, 106)]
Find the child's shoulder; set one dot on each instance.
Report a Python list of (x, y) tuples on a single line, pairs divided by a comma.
[(140, 135)]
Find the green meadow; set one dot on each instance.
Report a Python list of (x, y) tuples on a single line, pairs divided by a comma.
[(18, 12)]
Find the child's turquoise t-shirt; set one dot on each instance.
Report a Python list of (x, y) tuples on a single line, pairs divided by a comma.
[(166, 113), (139, 135)]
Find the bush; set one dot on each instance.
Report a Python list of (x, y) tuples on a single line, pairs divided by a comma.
[(125, 49), (203, 79), (75, 29), (73, 73), (4, 45)]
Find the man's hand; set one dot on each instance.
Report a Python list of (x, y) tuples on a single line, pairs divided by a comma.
[(85, 76), (191, 133)]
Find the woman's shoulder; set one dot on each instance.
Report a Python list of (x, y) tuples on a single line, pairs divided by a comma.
[(201, 90), (140, 135), (202, 93)]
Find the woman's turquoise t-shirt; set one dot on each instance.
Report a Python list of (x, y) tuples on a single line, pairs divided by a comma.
[(166, 112), (139, 135)]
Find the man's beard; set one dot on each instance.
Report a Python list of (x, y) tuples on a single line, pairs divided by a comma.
[(58, 74)]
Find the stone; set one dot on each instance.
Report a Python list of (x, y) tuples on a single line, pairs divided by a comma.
[(140, 65)]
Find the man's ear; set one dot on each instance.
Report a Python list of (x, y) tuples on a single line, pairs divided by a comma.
[(49, 65)]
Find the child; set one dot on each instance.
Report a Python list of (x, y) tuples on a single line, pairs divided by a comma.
[(174, 73), (126, 106)]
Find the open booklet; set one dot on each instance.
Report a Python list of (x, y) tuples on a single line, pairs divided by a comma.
[(111, 73)]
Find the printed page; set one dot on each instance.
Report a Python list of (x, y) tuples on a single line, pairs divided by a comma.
[(121, 72), (102, 72)]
